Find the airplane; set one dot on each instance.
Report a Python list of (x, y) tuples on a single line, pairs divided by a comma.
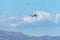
[(34, 15)]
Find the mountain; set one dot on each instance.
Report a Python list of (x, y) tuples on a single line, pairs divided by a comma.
[(9, 35), (49, 38)]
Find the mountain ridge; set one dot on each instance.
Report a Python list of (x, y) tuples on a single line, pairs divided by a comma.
[(10, 35)]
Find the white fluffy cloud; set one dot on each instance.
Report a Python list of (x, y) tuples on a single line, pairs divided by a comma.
[(44, 16), (41, 16), (28, 19)]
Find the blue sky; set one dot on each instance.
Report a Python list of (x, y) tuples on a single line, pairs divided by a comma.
[(17, 13)]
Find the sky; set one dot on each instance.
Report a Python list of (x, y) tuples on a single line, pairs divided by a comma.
[(18, 15)]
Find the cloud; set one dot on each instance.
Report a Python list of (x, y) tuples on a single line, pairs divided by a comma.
[(57, 18), (42, 16), (28, 19), (13, 25)]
